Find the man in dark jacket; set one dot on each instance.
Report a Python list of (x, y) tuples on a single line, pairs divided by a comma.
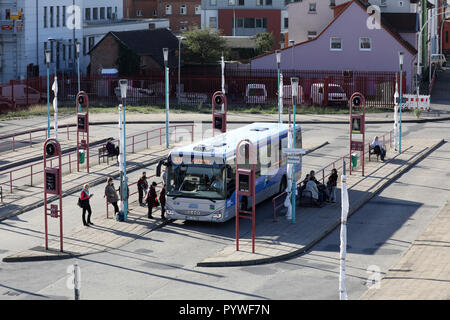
[(162, 201), (142, 185), (150, 199)]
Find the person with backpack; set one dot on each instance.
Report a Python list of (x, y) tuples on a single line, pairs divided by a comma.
[(85, 205), (151, 199), (111, 194)]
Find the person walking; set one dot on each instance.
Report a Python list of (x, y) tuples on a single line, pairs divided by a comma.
[(331, 185), (150, 199), (84, 197), (111, 194), (162, 201), (142, 185)]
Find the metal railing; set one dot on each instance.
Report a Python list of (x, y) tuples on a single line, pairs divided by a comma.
[(69, 159)]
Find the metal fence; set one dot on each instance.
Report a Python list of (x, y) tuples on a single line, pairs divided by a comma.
[(197, 88)]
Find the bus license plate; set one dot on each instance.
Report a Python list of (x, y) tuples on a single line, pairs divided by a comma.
[(191, 218)]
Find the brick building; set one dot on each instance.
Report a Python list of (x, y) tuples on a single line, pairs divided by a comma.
[(182, 14)]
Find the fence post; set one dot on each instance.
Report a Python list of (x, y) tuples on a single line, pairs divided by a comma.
[(13, 144), (323, 176), (192, 135), (68, 136), (70, 165), (133, 144), (147, 138), (31, 175), (10, 181), (31, 143), (160, 137)]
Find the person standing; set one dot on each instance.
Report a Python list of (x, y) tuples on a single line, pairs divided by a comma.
[(331, 184), (111, 194), (162, 201), (150, 199), (142, 185), (84, 197)]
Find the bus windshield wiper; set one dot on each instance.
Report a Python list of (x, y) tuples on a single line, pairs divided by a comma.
[(214, 201)]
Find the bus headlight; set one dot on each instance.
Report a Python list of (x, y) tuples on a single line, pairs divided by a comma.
[(218, 214)]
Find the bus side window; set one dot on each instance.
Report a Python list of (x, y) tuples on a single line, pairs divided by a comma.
[(298, 139)]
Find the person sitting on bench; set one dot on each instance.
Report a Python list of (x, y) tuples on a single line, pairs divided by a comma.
[(111, 148), (378, 148), (311, 186)]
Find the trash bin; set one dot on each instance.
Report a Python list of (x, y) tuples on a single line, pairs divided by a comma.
[(354, 159), (81, 156)]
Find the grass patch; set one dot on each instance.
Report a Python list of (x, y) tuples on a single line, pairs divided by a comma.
[(41, 110)]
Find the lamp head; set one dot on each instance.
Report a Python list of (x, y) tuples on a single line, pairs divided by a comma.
[(294, 86), (123, 88), (401, 58), (278, 54), (166, 55), (291, 42), (48, 54), (78, 45)]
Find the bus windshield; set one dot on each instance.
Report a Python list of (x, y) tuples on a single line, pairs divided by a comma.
[(196, 181)]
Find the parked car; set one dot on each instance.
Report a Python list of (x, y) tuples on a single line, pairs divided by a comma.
[(287, 95), (439, 60), (23, 94), (135, 95), (255, 94), (336, 95)]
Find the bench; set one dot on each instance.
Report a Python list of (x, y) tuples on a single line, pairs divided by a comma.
[(305, 199), (103, 153), (372, 151)]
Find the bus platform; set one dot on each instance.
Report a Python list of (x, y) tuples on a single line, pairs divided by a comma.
[(281, 240), (275, 241)]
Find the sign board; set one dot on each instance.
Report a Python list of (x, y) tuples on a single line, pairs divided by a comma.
[(52, 180), (245, 185), (414, 101), (293, 151), (357, 145), (81, 122), (293, 159), (54, 211)]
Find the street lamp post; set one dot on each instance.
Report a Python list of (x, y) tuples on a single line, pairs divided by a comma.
[(123, 151), (278, 55), (78, 67), (400, 58), (166, 68), (291, 42), (180, 39), (294, 86), (47, 61)]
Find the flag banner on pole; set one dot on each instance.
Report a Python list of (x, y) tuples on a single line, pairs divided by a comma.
[(280, 101), (55, 105), (343, 246)]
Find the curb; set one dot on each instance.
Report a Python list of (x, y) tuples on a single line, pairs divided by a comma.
[(77, 188), (353, 210), (69, 255)]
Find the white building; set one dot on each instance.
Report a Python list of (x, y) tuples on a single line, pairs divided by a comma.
[(27, 25)]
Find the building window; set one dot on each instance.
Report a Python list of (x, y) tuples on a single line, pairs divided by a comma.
[(109, 13), (87, 14), (155, 13), (52, 57), (45, 49), (312, 8), (259, 2), (400, 3), (286, 23), (168, 9), (213, 22), (312, 34), (102, 13), (365, 44), (446, 36), (335, 44), (241, 2), (95, 14), (268, 2), (213, 2), (91, 43), (45, 18), (383, 3), (198, 9), (183, 9), (139, 13), (332, 3), (64, 16), (183, 28), (70, 49), (84, 46), (64, 52), (51, 18), (231, 2), (57, 16)]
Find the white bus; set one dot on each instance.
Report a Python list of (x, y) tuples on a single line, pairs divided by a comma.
[(200, 178)]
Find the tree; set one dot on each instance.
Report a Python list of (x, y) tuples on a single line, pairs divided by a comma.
[(264, 42), (203, 46)]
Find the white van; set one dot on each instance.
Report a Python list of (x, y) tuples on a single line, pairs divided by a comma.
[(336, 95), (439, 60), (20, 94), (255, 94)]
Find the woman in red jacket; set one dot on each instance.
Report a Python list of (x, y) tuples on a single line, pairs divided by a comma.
[(84, 197)]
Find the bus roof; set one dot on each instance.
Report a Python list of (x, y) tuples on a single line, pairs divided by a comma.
[(226, 143)]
